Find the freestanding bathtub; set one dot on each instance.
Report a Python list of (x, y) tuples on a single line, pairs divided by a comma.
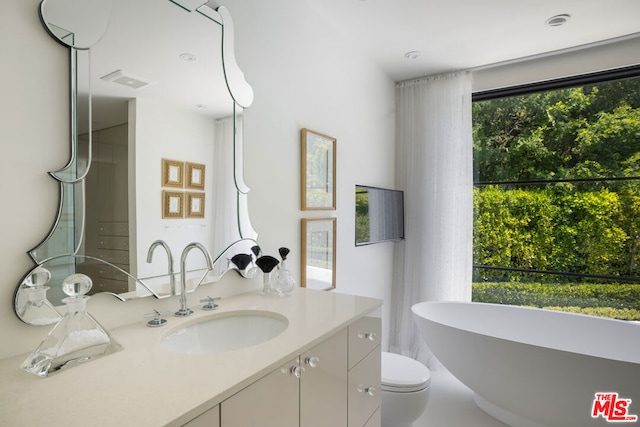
[(530, 367)]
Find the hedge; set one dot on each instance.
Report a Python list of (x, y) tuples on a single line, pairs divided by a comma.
[(620, 301)]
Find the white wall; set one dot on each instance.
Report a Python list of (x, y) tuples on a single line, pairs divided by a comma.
[(302, 75), (305, 76)]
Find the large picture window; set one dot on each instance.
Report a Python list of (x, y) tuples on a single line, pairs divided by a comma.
[(557, 195)]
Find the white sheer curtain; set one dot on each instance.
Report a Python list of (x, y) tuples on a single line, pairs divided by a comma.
[(224, 193), (435, 169)]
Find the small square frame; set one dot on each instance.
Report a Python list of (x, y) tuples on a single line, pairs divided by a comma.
[(195, 175), (172, 204), (172, 173), (195, 205)]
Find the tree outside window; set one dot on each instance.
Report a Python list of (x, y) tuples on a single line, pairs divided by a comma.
[(557, 199)]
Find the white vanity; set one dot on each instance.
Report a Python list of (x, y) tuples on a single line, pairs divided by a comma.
[(323, 370)]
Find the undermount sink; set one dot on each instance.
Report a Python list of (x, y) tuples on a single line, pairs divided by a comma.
[(226, 332)]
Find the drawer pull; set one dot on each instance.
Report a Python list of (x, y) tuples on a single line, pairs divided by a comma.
[(312, 361), (371, 391), (297, 371), (371, 336)]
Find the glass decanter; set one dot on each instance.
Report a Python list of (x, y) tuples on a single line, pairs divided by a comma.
[(37, 310), (77, 338), (285, 283)]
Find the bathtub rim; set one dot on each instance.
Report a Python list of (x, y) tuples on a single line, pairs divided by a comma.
[(586, 347)]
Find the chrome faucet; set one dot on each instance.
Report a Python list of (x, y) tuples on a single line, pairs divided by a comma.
[(184, 310), (172, 280)]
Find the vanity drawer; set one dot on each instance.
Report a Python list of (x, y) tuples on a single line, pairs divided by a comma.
[(115, 228), (364, 336), (364, 389), (114, 257), (113, 242)]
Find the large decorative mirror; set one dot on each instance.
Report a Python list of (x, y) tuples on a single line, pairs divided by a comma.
[(150, 80)]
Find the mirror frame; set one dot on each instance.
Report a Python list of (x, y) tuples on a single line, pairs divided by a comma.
[(71, 182)]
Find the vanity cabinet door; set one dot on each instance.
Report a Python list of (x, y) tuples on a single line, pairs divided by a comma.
[(323, 386), (375, 420), (272, 401), (211, 418), (364, 389), (364, 372)]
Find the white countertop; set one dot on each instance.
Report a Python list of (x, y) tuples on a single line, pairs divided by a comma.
[(147, 385)]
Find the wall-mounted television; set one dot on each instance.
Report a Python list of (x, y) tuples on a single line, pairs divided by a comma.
[(379, 215)]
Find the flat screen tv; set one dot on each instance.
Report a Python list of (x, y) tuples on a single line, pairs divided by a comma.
[(379, 215)]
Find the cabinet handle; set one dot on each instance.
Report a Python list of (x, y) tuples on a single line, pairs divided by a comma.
[(312, 361), (371, 336), (297, 371), (371, 391)]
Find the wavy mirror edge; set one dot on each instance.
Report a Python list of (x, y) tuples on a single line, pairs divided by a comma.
[(69, 177), (34, 285)]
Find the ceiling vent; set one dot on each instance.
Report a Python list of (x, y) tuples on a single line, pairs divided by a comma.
[(125, 79)]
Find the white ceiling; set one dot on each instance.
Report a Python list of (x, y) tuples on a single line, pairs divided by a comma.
[(462, 34)]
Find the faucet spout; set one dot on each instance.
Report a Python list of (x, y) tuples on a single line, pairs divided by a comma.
[(154, 245), (184, 310)]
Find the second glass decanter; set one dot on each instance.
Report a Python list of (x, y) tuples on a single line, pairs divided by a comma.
[(36, 309), (285, 283)]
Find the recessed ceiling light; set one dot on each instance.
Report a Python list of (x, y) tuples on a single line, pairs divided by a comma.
[(558, 20), (188, 57), (414, 54)]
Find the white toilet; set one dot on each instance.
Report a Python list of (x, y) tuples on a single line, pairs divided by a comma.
[(406, 384)]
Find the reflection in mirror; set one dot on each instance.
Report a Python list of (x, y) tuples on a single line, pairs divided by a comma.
[(78, 24), (156, 88), (318, 261), (36, 304)]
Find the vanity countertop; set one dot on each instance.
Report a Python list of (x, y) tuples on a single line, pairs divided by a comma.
[(147, 385)]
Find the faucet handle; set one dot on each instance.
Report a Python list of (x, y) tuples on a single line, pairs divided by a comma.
[(156, 318), (210, 303)]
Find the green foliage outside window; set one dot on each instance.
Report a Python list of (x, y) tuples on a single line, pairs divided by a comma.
[(560, 192)]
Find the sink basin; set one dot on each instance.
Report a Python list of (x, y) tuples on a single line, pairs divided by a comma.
[(227, 332)]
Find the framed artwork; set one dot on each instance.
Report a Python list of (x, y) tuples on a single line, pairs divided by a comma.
[(172, 173), (172, 204), (195, 176), (318, 260), (195, 205), (318, 171)]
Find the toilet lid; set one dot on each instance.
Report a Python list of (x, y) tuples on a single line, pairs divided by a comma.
[(403, 374)]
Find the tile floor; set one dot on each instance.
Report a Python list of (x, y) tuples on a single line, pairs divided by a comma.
[(451, 405)]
